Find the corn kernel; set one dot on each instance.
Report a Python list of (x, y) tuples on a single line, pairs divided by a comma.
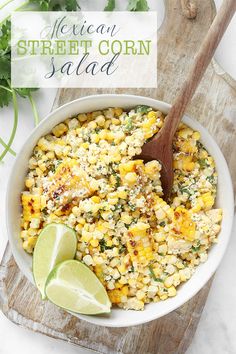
[(131, 177), (95, 199), (172, 291), (94, 242), (82, 117)]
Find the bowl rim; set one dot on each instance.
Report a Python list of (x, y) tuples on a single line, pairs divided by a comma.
[(165, 107)]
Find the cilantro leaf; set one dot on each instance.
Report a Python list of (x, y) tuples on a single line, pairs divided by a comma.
[(142, 109), (5, 38), (50, 5), (203, 163), (138, 5), (153, 275), (71, 5), (5, 95), (25, 92), (111, 4), (5, 67)]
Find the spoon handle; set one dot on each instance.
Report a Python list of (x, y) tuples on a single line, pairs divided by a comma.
[(200, 65)]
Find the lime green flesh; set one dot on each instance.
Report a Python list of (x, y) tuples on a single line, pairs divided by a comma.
[(56, 243), (74, 287)]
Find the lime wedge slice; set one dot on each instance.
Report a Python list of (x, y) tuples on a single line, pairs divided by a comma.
[(74, 287), (56, 243)]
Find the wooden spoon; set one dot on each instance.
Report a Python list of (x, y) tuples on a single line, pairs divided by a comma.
[(160, 147)]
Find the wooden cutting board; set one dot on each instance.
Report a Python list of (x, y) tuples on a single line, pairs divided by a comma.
[(214, 106)]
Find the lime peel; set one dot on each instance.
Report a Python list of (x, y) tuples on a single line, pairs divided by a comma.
[(56, 243), (74, 287)]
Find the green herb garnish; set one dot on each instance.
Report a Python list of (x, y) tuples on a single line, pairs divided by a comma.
[(111, 4), (122, 249), (129, 125), (162, 223), (103, 245), (137, 5), (203, 163), (153, 275), (142, 109)]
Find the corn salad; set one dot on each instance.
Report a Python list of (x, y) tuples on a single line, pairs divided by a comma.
[(139, 246)]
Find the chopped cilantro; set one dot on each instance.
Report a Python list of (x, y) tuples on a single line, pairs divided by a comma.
[(129, 124), (211, 179), (132, 206), (44, 211), (122, 249), (131, 269), (103, 245), (162, 223), (142, 109), (197, 247), (153, 275), (203, 163)]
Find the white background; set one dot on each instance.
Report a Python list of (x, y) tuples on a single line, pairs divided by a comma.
[(216, 331)]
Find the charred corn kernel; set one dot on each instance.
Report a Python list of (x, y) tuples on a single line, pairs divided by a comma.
[(59, 130), (183, 225), (138, 243), (31, 206), (82, 117), (29, 182)]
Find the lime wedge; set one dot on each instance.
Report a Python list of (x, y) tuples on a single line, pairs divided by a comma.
[(56, 243), (74, 287)]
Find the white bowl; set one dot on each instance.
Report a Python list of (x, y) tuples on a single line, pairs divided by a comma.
[(119, 317)]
